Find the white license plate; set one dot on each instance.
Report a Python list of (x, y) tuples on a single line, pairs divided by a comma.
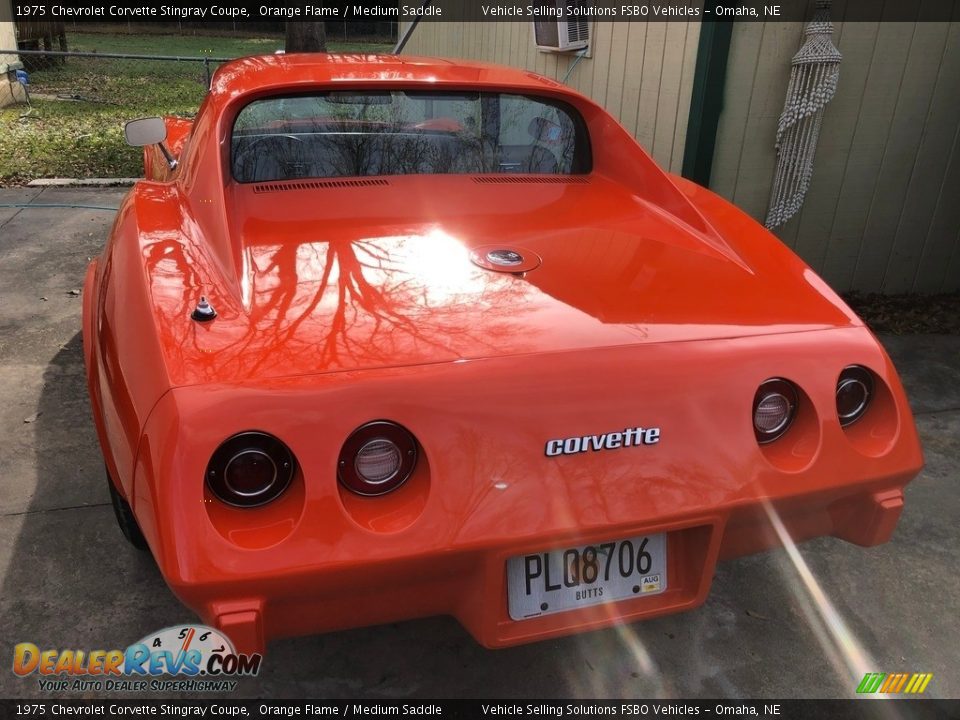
[(567, 578)]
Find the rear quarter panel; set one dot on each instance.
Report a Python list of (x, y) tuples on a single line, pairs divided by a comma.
[(126, 372)]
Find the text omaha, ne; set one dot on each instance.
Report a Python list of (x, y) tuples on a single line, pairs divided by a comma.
[(627, 11)]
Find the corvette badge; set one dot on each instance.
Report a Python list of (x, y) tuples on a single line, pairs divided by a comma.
[(630, 437)]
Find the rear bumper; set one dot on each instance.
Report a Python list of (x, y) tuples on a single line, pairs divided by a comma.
[(471, 584), (320, 558)]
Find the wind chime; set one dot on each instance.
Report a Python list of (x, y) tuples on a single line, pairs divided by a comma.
[(813, 82)]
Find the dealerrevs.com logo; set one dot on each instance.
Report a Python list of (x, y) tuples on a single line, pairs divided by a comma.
[(202, 654)]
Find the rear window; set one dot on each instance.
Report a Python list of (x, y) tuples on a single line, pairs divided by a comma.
[(350, 134)]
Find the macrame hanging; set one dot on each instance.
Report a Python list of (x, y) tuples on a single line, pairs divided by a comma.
[(813, 82)]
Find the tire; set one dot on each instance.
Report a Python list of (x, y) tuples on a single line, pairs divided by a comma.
[(125, 519)]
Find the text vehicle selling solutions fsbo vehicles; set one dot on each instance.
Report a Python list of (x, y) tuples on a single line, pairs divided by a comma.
[(387, 337)]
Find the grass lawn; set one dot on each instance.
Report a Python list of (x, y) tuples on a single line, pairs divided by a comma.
[(60, 137)]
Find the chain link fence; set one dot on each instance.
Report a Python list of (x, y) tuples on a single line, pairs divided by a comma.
[(166, 83), (126, 64), (67, 118), (69, 122)]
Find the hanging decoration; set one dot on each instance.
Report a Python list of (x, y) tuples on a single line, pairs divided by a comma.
[(813, 83)]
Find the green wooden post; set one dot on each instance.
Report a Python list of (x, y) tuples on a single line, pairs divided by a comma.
[(706, 101)]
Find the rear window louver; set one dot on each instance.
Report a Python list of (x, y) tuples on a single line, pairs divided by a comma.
[(316, 185), (517, 179)]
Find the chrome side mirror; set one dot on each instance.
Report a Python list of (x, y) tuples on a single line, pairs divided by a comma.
[(149, 131), (145, 131)]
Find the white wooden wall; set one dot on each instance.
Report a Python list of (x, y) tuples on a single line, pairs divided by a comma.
[(883, 211), (884, 208)]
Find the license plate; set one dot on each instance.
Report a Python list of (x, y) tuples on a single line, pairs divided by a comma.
[(567, 578)]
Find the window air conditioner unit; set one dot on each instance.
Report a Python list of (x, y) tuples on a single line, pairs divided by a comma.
[(562, 35)]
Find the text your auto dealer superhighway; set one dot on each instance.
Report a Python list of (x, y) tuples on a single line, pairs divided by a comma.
[(146, 11)]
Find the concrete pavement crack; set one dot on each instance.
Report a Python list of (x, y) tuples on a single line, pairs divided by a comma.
[(4, 223), (17, 213), (54, 509)]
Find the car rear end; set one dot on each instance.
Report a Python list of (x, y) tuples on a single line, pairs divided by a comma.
[(549, 492)]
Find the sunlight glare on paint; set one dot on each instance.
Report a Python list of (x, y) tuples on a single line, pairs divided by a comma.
[(443, 264)]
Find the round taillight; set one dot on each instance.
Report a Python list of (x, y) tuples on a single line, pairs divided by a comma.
[(774, 407), (854, 392), (250, 469), (378, 461), (377, 457)]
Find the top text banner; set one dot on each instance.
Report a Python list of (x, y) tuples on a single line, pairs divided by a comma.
[(476, 10)]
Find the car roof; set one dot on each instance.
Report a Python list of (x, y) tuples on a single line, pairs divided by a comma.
[(280, 70)]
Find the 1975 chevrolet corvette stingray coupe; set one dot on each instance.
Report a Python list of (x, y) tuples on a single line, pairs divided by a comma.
[(386, 337)]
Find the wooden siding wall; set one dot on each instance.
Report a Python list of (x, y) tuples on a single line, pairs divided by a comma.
[(641, 72), (883, 210)]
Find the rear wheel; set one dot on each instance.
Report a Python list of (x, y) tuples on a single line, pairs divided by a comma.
[(125, 519)]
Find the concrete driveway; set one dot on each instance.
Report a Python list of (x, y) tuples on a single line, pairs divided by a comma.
[(70, 581)]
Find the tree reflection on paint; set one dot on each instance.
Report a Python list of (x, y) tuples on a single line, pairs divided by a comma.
[(347, 304)]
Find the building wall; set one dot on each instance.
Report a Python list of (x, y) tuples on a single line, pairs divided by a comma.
[(10, 91), (883, 210), (642, 72), (8, 40), (8, 35)]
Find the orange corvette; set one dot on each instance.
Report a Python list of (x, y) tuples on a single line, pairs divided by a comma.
[(387, 337)]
